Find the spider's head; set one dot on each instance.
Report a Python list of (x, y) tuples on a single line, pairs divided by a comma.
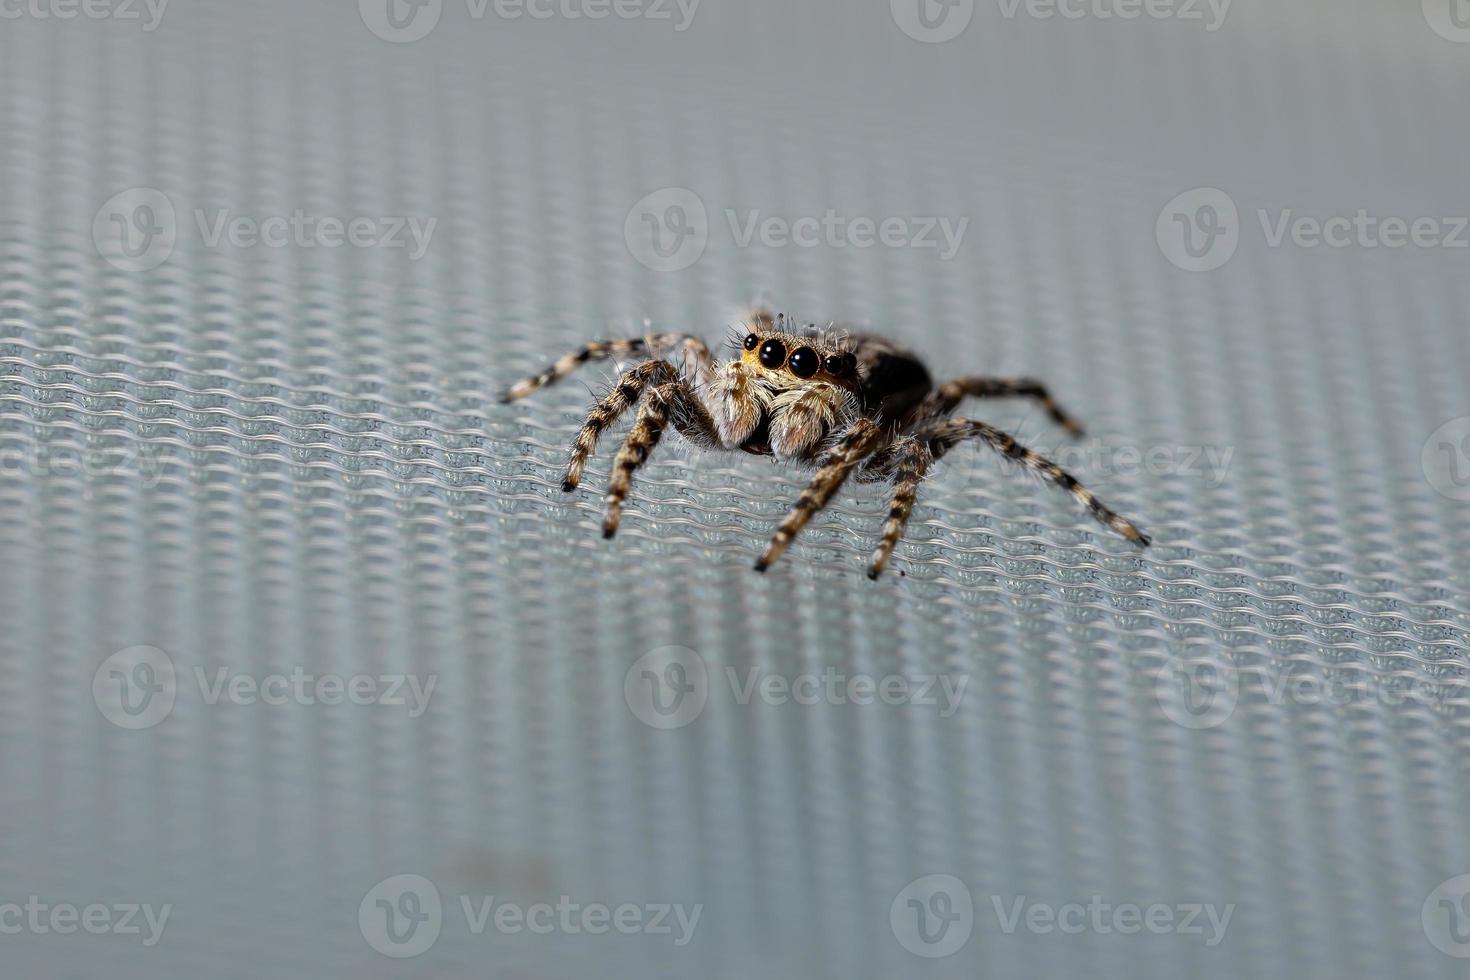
[(790, 359)]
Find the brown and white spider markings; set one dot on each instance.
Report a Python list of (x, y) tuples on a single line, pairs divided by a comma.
[(850, 405)]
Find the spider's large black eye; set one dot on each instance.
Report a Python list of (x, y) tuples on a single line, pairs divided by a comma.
[(751, 340), (835, 364), (773, 354), (804, 362)]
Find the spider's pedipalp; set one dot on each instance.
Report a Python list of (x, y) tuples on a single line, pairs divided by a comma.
[(696, 359), (735, 399), (942, 435), (802, 416), (624, 394), (834, 466)]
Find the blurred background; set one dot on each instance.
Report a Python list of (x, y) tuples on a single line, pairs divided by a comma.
[(308, 667)]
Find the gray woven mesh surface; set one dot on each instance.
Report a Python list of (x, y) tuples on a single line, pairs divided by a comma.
[(266, 459)]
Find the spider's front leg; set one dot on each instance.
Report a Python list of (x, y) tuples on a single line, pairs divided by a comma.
[(695, 354), (623, 395), (676, 401), (943, 434), (834, 466)]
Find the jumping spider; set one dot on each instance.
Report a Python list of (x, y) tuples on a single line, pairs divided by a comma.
[(846, 404)]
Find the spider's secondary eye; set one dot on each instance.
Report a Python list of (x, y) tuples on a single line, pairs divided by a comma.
[(773, 354), (804, 362), (751, 340), (835, 364)]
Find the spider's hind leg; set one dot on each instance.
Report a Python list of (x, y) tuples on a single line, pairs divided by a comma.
[(947, 397), (944, 434), (674, 402)]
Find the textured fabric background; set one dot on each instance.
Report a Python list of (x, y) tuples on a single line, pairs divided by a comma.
[(265, 459)]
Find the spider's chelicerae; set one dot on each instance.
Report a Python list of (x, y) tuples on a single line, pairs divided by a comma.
[(850, 405)]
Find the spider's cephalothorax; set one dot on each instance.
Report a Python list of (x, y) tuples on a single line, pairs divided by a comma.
[(848, 404)]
